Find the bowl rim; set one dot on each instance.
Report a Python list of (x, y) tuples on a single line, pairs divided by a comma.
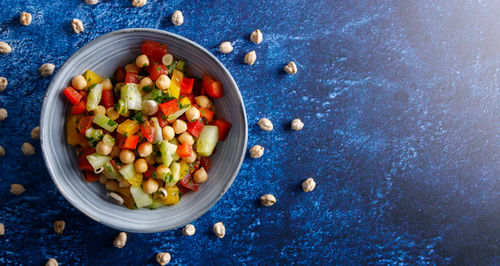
[(183, 39)]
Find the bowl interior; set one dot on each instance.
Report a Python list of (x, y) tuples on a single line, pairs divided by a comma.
[(102, 56)]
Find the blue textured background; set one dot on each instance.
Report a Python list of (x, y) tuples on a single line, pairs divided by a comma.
[(401, 134)]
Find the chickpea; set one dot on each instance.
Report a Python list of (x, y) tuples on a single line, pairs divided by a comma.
[(145, 149), (168, 133), (193, 114), (100, 110), (127, 156), (179, 126), (103, 148), (106, 85), (79, 82), (186, 138), (141, 166), (200, 176), (202, 101), (163, 82), (145, 82), (115, 151), (190, 159), (132, 68), (161, 171), (150, 186), (112, 185), (112, 113), (142, 61)]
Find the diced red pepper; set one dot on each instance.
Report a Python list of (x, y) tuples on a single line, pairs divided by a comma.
[(156, 70), (169, 107), (154, 50), (83, 163), (195, 127), (79, 108), (120, 139), (119, 75), (84, 94), (224, 128), (132, 77), (196, 166), (107, 98), (212, 87), (162, 119), (131, 142), (72, 95), (91, 177), (206, 163), (183, 190), (184, 150), (187, 182), (148, 130), (207, 114), (149, 172), (187, 86), (84, 124)]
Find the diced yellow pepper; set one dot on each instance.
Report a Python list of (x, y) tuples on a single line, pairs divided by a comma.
[(185, 102), (128, 127), (136, 180), (91, 78), (74, 138), (184, 169), (125, 191), (172, 195), (174, 89)]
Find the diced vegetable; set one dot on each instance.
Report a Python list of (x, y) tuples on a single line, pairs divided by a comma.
[(97, 160), (184, 150), (83, 163), (175, 83), (212, 87), (207, 114), (136, 180), (188, 183), (177, 114), (131, 94), (207, 140), (72, 95), (107, 98), (91, 78), (111, 172), (72, 134), (128, 127), (108, 140), (187, 86), (195, 127), (157, 203), (84, 123), (94, 97), (131, 77), (173, 196), (91, 177), (169, 107), (93, 136), (224, 128), (181, 64), (140, 197), (131, 142), (122, 107), (105, 122), (79, 108), (128, 171), (185, 102), (119, 74), (148, 131), (156, 70), (184, 170), (158, 134), (154, 50), (167, 151), (175, 170)]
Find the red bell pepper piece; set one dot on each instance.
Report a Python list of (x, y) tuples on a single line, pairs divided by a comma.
[(79, 108), (169, 107), (188, 183), (120, 139), (162, 119), (148, 130), (196, 166), (184, 150), (156, 70), (206, 163), (207, 114), (84, 124), (132, 77), (83, 163), (187, 86), (149, 172), (195, 127), (72, 95), (183, 190), (131, 142), (107, 98), (224, 128), (212, 87), (154, 50), (119, 74), (91, 177)]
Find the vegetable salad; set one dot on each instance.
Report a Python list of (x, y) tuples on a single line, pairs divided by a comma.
[(148, 132)]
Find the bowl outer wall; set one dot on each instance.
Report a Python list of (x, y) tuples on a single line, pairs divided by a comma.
[(103, 55)]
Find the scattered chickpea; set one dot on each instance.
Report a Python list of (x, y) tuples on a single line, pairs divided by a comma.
[(3, 83), (256, 151), (77, 25), (141, 166), (46, 69), (256, 36), (225, 47), (191, 158), (219, 229), (127, 156), (17, 189), (107, 85), (163, 82), (100, 110), (168, 133), (112, 185), (250, 58), (52, 262), (2, 229), (25, 18), (79, 82), (147, 81), (297, 124), (3, 114), (103, 179), (202, 101), (186, 138), (193, 114), (142, 61), (267, 200), (179, 126), (291, 68), (163, 258), (92, 2), (2, 151), (188, 230), (265, 124), (120, 240), (5, 48), (59, 226), (103, 148), (28, 149), (200, 176), (112, 113), (35, 133), (177, 18), (145, 149), (150, 186), (167, 59), (161, 171), (139, 3), (115, 197), (132, 68), (308, 185)]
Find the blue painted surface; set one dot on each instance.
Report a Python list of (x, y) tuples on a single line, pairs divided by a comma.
[(401, 134)]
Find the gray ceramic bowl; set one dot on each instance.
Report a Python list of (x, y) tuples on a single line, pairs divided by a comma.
[(102, 56)]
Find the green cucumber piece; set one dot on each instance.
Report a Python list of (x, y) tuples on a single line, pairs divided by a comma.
[(140, 197), (131, 95), (158, 131), (105, 122), (98, 160), (177, 114), (94, 97), (175, 170), (207, 140), (110, 172), (167, 151), (128, 171)]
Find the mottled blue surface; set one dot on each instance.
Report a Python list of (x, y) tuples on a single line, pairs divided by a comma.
[(399, 102)]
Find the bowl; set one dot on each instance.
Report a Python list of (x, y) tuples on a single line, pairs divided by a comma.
[(103, 55)]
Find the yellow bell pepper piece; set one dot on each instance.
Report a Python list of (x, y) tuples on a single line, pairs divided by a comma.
[(185, 102), (91, 78), (128, 127), (74, 138), (172, 195), (174, 89), (184, 169), (136, 180)]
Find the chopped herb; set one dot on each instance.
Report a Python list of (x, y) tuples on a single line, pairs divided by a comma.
[(159, 69), (164, 117), (147, 88), (138, 117), (111, 122), (166, 177), (172, 67), (125, 134), (154, 175)]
